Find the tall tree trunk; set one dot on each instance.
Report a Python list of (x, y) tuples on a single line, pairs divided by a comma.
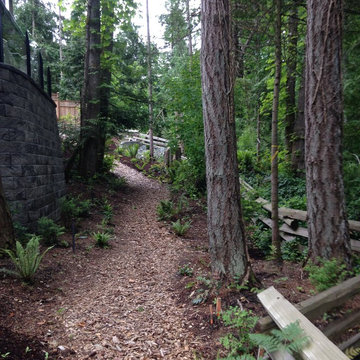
[(7, 237), (274, 137), (151, 111), (60, 42), (291, 62), (327, 222), (189, 28), (225, 225), (11, 7), (298, 142), (90, 101)]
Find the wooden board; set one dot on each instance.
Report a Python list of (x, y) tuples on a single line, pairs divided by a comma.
[(284, 236), (284, 313), (340, 326), (316, 305)]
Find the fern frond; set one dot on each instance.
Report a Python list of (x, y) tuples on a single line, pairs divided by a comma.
[(269, 342), (352, 352)]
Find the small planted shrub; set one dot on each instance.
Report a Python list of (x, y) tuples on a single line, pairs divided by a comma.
[(131, 151), (26, 260), (327, 274), (165, 210), (185, 270), (49, 231), (117, 183), (179, 228), (73, 209), (107, 211), (102, 239)]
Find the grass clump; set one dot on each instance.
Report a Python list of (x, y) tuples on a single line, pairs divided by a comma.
[(327, 273), (26, 260)]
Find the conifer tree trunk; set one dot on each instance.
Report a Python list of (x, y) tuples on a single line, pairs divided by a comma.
[(327, 222), (225, 225), (291, 63), (150, 86), (90, 94), (274, 137)]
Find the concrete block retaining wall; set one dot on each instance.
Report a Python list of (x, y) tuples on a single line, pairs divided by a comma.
[(31, 163)]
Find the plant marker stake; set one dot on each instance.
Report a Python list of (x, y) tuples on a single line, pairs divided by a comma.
[(73, 230), (211, 315), (218, 307)]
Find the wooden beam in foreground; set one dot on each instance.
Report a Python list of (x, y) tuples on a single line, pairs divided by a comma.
[(284, 313)]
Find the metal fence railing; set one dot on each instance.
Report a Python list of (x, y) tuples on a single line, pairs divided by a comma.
[(15, 50)]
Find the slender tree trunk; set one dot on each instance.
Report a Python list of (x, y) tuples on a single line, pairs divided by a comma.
[(298, 142), (189, 28), (274, 137), (291, 62), (11, 7), (225, 225), (7, 237), (151, 111), (90, 102), (60, 43), (327, 222), (258, 134)]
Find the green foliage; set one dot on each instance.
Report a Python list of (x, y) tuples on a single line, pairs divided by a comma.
[(102, 239), (327, 274), (49, 231), (108, 163), (26, 260), (261, 238), (180, 228), (185, 270), (250, 208), (74, 208), (131, 151), (246, 159), (165, 210), (352, 185), (116, 183), (290, 339), (107, 211), (242, 323), (295, 250)]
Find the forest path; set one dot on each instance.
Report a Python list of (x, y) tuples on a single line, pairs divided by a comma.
[(124, 306)]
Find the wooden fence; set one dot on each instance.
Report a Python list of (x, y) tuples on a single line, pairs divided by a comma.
[(66, 108)]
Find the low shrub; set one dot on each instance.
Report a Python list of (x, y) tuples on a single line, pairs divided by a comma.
[(102, 239), (26, 260), (179, 228), (49, 231), (327, 273)]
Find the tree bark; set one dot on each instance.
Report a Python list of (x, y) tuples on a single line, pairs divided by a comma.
[(274, 137), (7, 236), (150, 85), (225, 225), (91, 101), (291, 62), (298, 141), (327, 224)]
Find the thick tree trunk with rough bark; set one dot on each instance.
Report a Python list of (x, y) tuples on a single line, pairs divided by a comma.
[(327, 223), (225, 224), (90, 96), (7, 237), (274, 137)]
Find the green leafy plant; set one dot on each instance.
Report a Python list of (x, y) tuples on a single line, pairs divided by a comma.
[(131, 150), (185, 270), (49, 231), (242, 323), (327, 273), (102, 239), (74, 208), (295, 250), (108, 163), (290, 339), (165, 210), (107, 210), (116, 182), (180, 228), (26, 260)]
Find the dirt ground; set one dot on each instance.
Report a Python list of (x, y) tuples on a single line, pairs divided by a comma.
[(127, 301)]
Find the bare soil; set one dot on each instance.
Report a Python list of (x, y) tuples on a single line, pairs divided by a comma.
[(127, 301)]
